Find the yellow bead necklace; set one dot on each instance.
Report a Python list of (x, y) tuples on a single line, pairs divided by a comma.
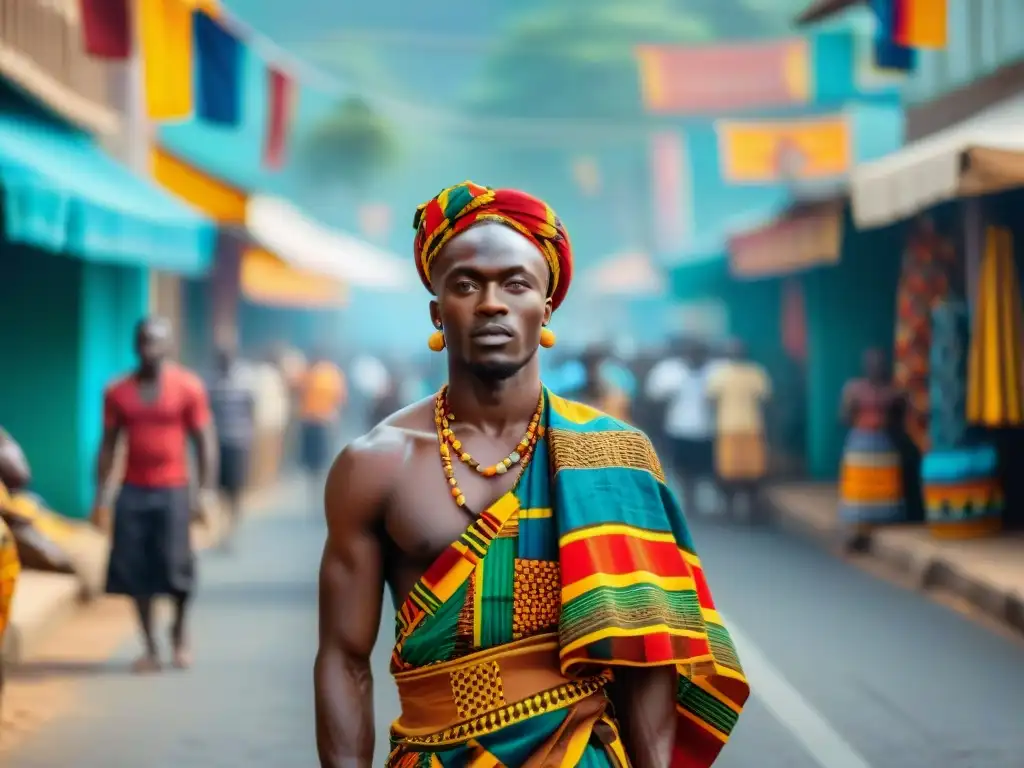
[(448, 444)]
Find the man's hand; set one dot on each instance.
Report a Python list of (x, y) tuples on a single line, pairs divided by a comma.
[(102, 517), (204, 506)]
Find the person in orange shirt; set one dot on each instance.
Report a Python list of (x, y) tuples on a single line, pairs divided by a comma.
[(323, 394)]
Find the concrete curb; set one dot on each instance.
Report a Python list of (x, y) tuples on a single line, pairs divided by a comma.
[(927, 568), (43, 601)]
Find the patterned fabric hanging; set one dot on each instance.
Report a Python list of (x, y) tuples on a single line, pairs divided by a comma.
[(962, 493), (924, 281), (995, 394), (948, 375)]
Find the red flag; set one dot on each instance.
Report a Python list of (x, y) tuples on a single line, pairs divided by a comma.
[(279, 117), (107, 28)]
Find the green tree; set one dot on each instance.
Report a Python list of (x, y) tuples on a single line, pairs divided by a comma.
[(352, 145)]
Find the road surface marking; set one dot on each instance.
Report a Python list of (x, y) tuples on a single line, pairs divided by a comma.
[(794, 713)]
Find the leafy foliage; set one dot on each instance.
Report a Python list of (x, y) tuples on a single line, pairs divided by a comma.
[(352, 144)]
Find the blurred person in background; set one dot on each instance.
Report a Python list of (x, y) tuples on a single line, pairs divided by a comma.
[(739, 389), (290, 368), (234, 415), (371, 381), (681, 382), (443, 497), (15, 473), (871, 476), (598, 390), (323, 395), (159, 409), (412, 386), (273, 416)]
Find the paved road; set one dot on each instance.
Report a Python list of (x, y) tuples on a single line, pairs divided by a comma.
[(849, 671)]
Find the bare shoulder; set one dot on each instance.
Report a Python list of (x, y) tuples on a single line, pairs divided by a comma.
[(366, 472), (188, 378)]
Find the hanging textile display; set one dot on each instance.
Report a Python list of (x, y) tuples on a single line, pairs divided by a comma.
[(219, 59), (994, 386), (924, 281), (279, 114), (890, 54), (962, 492), (106, 28)]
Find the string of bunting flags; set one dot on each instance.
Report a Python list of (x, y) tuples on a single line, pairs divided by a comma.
[(193, 55), (906, 26)]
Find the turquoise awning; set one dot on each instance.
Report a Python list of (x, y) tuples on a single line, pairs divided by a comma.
[(63, 193)]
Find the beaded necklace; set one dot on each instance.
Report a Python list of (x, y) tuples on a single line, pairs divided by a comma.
[(448, 444)]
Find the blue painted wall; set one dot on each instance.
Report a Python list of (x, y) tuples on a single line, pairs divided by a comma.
[(58, 360)]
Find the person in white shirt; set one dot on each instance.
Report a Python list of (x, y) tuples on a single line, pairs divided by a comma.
[(681, 382)]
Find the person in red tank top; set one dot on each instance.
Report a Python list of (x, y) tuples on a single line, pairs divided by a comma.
[(159, 409)]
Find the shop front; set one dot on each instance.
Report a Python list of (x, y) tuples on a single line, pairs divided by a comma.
[(825, 294), (963, 346), (80, 236)]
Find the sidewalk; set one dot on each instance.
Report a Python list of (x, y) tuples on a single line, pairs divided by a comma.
[(986, 573), (253, 628), (43, 601)]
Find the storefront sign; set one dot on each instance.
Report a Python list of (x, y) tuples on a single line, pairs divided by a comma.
[(725, 78), (753, 152)]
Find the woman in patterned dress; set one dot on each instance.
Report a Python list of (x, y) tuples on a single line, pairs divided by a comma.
[(871, 478)]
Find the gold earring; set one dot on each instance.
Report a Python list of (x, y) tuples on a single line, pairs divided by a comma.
[(436, 341), (547, 338)]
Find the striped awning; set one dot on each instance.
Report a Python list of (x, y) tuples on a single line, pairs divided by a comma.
[(270, 280), (995, 390)]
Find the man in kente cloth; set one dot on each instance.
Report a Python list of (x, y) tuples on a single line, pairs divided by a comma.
[(531, 543)]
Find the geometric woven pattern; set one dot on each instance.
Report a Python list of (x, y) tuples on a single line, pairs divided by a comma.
[(477, 689), (538, 603)]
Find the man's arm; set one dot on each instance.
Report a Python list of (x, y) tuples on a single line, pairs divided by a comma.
[(351, 594), (199, 422), (113, 423), (645, 703)]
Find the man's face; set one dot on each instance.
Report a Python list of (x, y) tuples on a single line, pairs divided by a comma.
[(153, 343), (492, 298)]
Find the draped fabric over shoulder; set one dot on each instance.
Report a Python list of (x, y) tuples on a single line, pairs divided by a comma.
[(504, 647)]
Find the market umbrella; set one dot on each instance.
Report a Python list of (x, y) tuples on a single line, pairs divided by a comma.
[(995, 392)]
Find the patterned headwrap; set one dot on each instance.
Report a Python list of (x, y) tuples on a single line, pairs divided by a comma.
[(457, 208)]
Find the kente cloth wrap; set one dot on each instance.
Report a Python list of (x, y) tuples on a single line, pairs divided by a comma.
[(457, 208), (590, 550)]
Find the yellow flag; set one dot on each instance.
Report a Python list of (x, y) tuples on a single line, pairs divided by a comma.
[(165, 42), (922, 23)]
